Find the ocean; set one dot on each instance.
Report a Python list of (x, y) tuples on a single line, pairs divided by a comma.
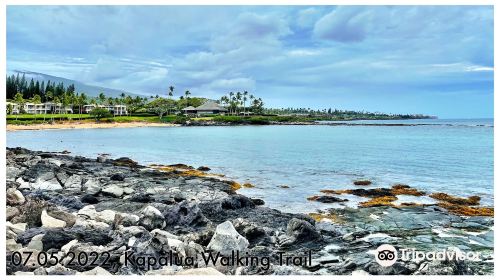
[(452, 156)]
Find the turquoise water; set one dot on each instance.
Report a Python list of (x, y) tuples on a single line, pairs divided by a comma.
[(453, 156)]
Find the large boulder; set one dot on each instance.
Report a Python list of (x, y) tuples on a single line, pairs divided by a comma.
[(50, 222), (117, 177), (90, 199), (186, 214), (74, 183), (113, 190), (57, 238), (11, 212), (47, 185), (58, 214), (151, 218), (92, 187), (236, 201), (15, 197), (226, 239), (105, 216), (301, 231)]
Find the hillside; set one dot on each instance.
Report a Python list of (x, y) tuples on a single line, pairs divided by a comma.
[(90, 90)]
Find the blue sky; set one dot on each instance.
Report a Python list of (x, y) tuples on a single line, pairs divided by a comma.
[(406, 59)]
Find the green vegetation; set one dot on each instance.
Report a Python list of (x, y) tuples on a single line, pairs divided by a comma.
[(243, 107), (27, 119), (259, 119), (100, 113)]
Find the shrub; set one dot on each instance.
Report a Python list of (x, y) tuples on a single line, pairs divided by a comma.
[(100, 113)]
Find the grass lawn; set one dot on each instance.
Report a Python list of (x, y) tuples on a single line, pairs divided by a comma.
[(48, 116), (27, 119)]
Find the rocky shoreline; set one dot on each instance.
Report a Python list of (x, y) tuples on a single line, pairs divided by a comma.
[(75, 215), (88, 125)]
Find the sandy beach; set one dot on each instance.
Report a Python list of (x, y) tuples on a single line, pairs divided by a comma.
[(80, 125)]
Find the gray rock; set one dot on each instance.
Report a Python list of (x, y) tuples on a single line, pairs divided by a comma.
[(74, 182), (117, 177), (302, 231), (47, 185), (151, 218), (59, 269), (36, 243), (14, 197), (11, 212), (11, 245), (50, 222), (92, 187), (113, 190), (226, 239), (102, 158)]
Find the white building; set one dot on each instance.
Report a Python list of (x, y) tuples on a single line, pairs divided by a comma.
[(116, 110), (14, 108), (46, 108)]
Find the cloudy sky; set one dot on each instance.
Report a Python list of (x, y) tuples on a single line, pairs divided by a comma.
[(433, 60)]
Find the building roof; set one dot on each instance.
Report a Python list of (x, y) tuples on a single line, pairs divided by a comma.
[(190, 108), (210, 106)]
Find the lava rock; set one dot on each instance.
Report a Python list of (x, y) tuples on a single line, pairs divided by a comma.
[(302, 231), (90, 199), (226, 240), (151, 218), (117, 177)]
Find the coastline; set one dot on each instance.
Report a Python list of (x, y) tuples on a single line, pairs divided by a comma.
[(86, 125), (131, 124), (75, 204)]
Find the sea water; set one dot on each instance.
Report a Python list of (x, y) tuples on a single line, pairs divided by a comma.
[(452, 156)]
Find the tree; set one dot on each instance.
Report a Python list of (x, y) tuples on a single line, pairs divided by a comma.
[(171, 91), (100, 113), (9, 109), (102, 98), (18, 98), (160, 106), (258, 105), (36, 99), (187, 94), (245, 93), (134, 104)]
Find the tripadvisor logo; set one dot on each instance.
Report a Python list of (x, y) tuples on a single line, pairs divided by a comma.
[(387, 255)]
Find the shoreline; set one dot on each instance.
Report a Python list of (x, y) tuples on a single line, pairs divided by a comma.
[(93, 125), (67, 203), (85, 125)]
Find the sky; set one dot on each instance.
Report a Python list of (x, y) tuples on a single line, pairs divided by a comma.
[(435, 60)]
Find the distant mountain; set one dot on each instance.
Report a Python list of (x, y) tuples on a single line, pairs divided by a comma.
[(89, 90)]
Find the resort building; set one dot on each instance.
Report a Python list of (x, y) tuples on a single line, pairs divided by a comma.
[(12, 108), (46, 108), (117, 110), (208, 108), (189, 110)]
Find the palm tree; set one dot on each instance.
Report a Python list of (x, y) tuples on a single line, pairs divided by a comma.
[(102, 98), (171, 90), (187, 94), (245, 93), (231, 94), (122, 96), (238, 100), (252, 98)]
